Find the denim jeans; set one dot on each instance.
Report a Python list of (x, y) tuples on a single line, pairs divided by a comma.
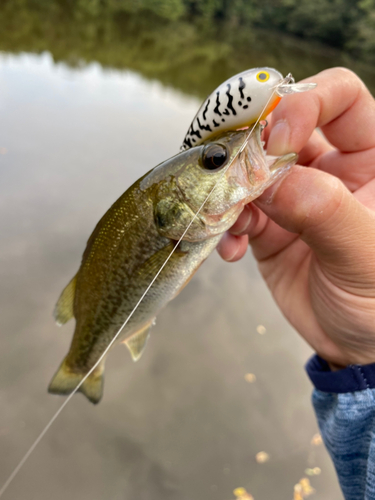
[(344, 403)]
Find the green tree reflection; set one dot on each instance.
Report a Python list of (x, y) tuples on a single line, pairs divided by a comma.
[(189, 44)]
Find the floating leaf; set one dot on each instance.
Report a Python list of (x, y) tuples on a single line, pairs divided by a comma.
[(250, 377), (303, 489), (261, 329), (242, 494), (239, 492), (313, 472), (316, 440), (307, 489), (262, 457)]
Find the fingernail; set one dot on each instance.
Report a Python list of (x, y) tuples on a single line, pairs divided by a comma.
[(278, 141)]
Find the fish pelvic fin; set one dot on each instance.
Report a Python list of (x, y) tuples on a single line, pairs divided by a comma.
[(137, 342), (63, 311), (66, 380)]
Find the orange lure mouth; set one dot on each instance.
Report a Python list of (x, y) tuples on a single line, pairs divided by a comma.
[(271, 107)]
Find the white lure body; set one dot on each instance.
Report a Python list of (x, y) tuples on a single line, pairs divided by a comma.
[(238, 102)]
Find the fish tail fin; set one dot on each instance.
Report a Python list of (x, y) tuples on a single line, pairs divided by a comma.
[(66, 380), (92, 387)]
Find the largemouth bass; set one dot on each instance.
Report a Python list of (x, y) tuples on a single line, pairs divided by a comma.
[(136, 235)]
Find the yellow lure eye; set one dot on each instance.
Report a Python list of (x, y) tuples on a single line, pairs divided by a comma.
[(262, 76)]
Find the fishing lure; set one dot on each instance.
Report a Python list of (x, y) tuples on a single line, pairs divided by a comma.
[(240, 101)]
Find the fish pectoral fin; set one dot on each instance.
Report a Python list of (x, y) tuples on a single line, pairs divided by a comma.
[(66, 380), (64, 308), (137, 342)]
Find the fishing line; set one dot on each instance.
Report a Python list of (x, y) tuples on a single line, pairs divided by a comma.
[(54, 417)]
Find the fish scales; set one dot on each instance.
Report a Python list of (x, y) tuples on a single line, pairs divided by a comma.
[(112, 278)]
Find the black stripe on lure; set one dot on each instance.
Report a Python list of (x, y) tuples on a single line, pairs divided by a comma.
[(240, 101)]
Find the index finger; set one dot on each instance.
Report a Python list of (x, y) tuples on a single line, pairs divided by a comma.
[(341, 105)]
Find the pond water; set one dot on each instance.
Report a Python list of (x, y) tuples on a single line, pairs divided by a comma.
[(184, 422)]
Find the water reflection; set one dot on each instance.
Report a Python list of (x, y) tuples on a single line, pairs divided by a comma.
[(184, 422), (194, 58)]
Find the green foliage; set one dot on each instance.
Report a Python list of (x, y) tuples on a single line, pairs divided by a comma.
[(345, 24), (169, 9), (331, 22), (175, 40), (363, 41)]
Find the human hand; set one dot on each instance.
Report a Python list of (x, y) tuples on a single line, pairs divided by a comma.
[(313, 234)]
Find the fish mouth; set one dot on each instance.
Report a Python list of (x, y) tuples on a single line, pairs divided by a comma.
[(262, 170), (257, 171), (288, 86), (251, 171)]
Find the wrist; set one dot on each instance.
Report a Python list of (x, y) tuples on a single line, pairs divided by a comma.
[(344, 359), (335, 367)]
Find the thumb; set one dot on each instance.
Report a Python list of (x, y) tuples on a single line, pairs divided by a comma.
[(333, 223)]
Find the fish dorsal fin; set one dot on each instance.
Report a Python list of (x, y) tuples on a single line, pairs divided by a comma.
[(64, 308), (137, 342)]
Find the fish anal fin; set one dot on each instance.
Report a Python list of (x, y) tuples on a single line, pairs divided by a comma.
[(137, 342), (63, 311), (66, 380)]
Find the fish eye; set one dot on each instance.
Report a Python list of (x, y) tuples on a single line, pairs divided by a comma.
[(263, 76), (214, 156)]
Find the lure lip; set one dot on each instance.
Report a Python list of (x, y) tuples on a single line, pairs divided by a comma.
[(288, 86)]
